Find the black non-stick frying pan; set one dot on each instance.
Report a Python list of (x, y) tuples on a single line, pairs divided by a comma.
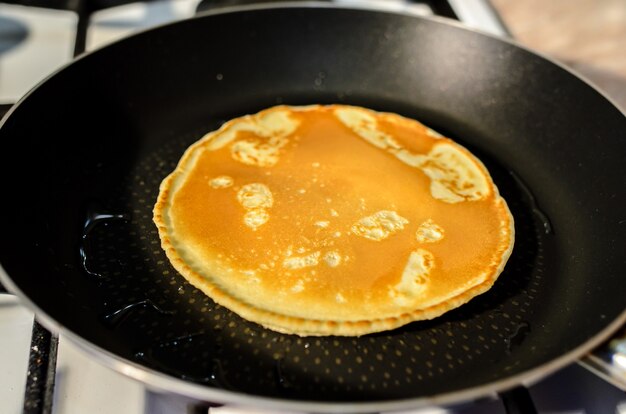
[(83, 155)]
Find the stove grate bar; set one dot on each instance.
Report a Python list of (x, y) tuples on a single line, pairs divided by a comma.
[(41, 371)]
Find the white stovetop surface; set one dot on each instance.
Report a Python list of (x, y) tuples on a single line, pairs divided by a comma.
[(84, 386)]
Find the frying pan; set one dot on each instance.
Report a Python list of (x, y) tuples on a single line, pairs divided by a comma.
[(84, 152)]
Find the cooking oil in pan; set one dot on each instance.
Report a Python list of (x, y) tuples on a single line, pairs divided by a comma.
[(213, 376), (112, 319), (94, 217), (534, 206), (517, 337)]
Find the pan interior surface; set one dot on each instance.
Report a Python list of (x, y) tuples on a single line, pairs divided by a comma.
[(82, 247)]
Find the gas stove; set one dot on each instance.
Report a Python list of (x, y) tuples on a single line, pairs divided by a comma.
[(39, 36)]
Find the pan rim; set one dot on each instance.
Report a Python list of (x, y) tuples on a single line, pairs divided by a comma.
[(169, 384), (323, 5)]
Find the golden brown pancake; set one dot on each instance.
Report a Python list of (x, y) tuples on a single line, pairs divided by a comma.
[(333, 220)]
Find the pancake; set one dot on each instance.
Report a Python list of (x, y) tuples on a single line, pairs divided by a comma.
[(333, 220)]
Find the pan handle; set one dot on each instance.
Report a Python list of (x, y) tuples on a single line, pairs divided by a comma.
[(609, 360)]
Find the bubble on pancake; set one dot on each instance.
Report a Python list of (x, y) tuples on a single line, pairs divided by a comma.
[(332, 258), (257, 152), (251, 275), (414, 277), (298, 287), (270, 130), (256, 198), (366, 126), (429, 232), (409, 158), (339, 298), (222, 181), (322, 224), (256, 218), (255, 195), (454, 176), (299, 262), (379, 226)]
